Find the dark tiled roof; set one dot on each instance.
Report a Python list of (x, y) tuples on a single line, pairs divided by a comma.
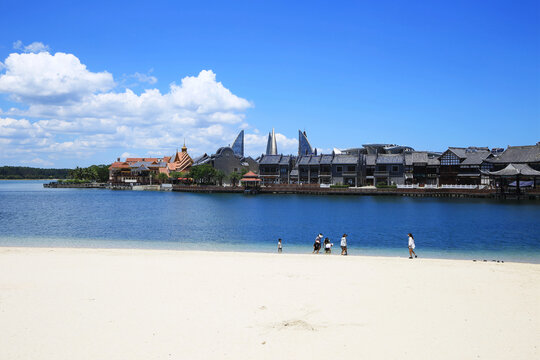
[(326, 159), (345, 159), (515, 169), (285, 160), (475, 158), (371, 159), (315, 160), (270, 160), (433, 161), (519, 154), (390, 159), (304, 160), (460, 152), (419, 158), (408, 159)]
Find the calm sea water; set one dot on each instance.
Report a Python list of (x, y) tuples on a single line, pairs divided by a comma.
[(443, 228)]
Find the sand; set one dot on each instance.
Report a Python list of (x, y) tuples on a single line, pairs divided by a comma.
[(149, 304)]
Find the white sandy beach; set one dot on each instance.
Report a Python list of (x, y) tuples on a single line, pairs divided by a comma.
[(145, 304)]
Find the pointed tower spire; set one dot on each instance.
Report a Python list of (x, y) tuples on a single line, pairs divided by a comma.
[(304, 147), (271, 145), (238, 145)]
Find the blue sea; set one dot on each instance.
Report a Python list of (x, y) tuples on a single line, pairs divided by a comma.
[(31, 215)]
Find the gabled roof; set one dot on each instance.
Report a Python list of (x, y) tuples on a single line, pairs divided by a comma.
[(475, 158), (119, 165), (519, 154), (459, 152)]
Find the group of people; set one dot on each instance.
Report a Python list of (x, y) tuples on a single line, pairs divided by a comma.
[(328, 245)]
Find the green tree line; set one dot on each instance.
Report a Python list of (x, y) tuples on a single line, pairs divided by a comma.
[(98, 173), (24, 172)]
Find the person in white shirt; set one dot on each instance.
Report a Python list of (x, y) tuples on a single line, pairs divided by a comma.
[(279, 246), (328, 246), (411, 246), (344, 244)]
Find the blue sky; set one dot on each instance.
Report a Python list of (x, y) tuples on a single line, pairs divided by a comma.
[(425, 74)]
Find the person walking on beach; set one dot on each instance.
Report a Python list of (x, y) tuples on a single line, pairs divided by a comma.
[(279, 246), (317, 244), (327, 246), (344, 244), (411, 246)]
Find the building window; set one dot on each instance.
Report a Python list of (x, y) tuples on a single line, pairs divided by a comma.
[(449, 159), (339, 169), (351, 168), (395, 168)]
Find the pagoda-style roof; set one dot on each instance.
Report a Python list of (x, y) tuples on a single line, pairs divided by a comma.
[(514, 170), (250, 176)]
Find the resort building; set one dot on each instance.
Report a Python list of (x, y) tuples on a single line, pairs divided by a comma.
[(143, 171), (229, 160), (518, 160), (422, 168), (275, 169), (462, 166)]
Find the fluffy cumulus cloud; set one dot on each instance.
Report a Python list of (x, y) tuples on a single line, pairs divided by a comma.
[(42, 78), (70, 112)]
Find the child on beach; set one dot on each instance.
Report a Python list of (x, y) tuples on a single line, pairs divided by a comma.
[(327, 246), (279, 246), (411, 246)]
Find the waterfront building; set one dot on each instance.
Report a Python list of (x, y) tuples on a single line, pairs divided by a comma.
[(516, 155), (229, 160), (330, 169), (348, 169), (144, 171), (462, 165), (275, 169), (390, 169), (422, 168), (528, 154)]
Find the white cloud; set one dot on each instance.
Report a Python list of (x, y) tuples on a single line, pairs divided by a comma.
[(68, 112), (38, 161), (50, 79), (256, 143), (144, 78), (35, 47)]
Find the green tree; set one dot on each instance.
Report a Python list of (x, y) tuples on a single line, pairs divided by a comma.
[(202, 174), (218, 177), (235, 178), (162, 177)]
